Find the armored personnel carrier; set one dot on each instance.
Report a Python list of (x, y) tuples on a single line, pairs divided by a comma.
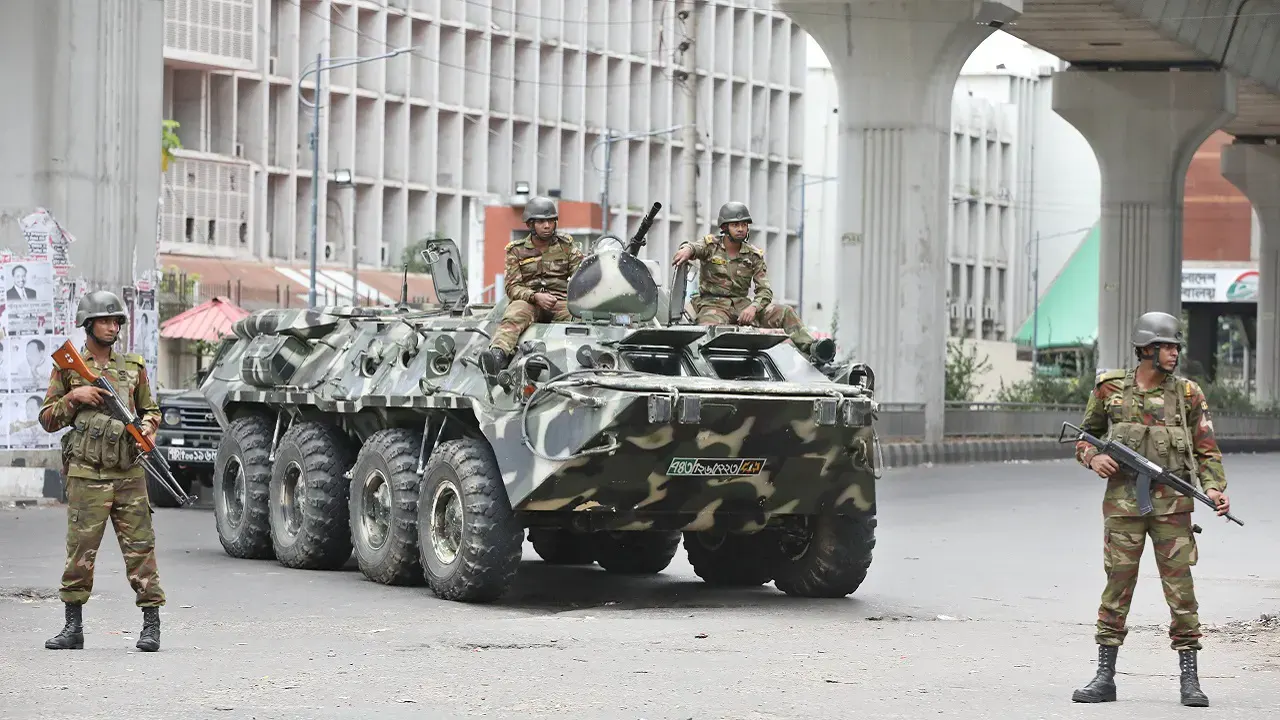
[(375, 432)]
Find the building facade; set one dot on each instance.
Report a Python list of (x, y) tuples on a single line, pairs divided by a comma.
[(491, 104)]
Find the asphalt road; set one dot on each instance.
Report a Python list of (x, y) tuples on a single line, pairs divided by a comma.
[(980, 604)]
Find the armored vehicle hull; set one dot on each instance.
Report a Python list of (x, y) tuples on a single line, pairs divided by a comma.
[(375, 432)]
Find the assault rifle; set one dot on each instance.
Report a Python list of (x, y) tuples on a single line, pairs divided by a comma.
[(637, 241), (1148, 472), (152, 460)]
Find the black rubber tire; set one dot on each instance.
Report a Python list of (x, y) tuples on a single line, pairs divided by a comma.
[(561, 547), (834, 563), (641, 552), (392, 457), (246, 445), (731, 559), (490, 540), (323, 539)]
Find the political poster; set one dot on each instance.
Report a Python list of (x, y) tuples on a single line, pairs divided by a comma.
[(29, 296)]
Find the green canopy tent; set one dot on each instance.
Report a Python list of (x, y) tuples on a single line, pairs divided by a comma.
[(1067, 318)]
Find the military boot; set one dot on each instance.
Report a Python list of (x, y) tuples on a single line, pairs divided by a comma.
[(1102, 688), (149, 638), (822, 351), (493, 361), (1192, 696), (72, 635)]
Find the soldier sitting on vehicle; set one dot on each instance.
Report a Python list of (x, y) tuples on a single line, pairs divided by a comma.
[(729, 266), (538, 269)]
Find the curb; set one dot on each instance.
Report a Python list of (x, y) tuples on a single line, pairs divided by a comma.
[(950, 452), (26, 484)]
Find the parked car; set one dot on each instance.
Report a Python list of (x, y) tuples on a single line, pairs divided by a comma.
[(188, 435)]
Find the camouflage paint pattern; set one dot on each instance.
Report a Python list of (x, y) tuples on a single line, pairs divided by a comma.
[(127, 373), (90, 503), (1108, 416), (380, 367), (1174, 546)]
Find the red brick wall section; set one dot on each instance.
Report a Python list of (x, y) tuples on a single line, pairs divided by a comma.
[(500, 221), (1216, 219)]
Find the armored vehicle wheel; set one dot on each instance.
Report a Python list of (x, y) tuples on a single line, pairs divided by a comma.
[(561, 547), (636, 552), (469, 542), (384, 508), (731, 559), (241, 480), (830, 560), (310, 521)]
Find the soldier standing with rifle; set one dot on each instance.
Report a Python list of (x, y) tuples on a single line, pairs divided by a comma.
[(1165, 418), (538, 269), (730, 265), (103, 478)]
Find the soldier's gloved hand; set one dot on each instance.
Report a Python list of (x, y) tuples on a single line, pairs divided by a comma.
[(1220, 499), (747, 316), (546, 301), (1104, 465), (682, 255)]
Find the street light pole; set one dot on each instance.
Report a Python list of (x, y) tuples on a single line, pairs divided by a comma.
[(608, 140), (801, 230), (319, 66)]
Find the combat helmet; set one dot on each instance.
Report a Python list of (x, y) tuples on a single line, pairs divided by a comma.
[(540, 208), (100, 304), (731, 212), (1156, 327)]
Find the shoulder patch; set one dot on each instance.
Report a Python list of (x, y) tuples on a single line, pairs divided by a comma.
[(1190, 388), (753, 250), (135, 359), (1109, 376)]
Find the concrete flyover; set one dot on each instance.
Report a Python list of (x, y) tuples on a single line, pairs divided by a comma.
[(1148, 82)]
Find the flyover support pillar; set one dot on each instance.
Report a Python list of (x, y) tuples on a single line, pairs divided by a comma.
[(895, 65), (83, 89), (1144, 127), (1254, 167)]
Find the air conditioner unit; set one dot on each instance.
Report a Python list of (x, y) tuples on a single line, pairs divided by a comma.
[(239, 150), (988, 313), (968, 311), (954, 311), (272, 63)]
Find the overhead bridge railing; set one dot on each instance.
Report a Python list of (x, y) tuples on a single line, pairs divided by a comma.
[(904, 422)]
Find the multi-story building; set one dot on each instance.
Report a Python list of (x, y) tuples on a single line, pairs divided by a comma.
[(495, 101)]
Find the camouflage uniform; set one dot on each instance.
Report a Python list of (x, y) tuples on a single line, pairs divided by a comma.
[(102, 480), (530, 271), (724, 284), (1169, 425)]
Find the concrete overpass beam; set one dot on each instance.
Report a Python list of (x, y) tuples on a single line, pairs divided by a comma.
[(83, 89), (1255, 169), (895, 65), (1144, 127)]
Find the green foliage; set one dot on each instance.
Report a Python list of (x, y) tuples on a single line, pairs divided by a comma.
[(169, 141), (1072, 388), (963, 370)]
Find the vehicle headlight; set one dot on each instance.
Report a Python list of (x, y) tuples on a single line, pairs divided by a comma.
[(172, 417)]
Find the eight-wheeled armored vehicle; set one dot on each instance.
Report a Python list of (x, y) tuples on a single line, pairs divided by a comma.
[(375, 431)]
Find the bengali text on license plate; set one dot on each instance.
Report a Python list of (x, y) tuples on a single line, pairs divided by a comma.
[(715, 467), (185, 455)]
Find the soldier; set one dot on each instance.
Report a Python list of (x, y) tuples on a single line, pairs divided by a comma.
[(729, 266), (103, 480), (537, 281), (1165, 418)]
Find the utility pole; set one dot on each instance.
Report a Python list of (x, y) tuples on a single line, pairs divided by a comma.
[(688, 16), (1035, 309), (319, 66)]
